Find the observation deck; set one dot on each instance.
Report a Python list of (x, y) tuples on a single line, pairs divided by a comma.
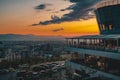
[(107, 3)]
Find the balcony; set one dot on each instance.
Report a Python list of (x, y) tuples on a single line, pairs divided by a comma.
[(92, 69), (107, 43), (107, 3)]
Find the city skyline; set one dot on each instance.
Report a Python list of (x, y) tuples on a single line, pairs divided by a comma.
[(48, 18)]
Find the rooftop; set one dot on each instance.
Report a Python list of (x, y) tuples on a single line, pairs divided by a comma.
[(97, 36), (107, 3)]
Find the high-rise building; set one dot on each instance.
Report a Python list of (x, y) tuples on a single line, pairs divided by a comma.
[(98, 56)]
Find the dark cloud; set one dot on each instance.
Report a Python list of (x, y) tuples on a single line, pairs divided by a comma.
[(59, 29), (54, 19), (62, 9), (74, 0), (80, 10), (35, 24), (42, 6)]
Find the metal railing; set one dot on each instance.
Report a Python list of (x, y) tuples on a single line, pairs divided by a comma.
[(107, 3), (95, 47), (93, 66)]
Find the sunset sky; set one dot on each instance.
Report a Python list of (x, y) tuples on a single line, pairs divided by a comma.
[(48, 17)]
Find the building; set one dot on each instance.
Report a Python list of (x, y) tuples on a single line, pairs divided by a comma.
[(108, 16), (12, 56), (98, 56)]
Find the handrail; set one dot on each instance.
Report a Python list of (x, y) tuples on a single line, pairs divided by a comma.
[(107, 3)]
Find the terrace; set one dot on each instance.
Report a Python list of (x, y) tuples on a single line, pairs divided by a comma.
[(108, 43), (107, 3), (100, 63), (112, 74)]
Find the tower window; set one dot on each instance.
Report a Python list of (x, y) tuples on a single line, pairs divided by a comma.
[(103, 26), (110, 27), (100, 27)]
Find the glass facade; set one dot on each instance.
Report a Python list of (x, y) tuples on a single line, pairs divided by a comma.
[(102, 44), (108, 18)]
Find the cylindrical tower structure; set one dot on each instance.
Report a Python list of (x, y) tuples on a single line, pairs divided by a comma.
[(108, 16)]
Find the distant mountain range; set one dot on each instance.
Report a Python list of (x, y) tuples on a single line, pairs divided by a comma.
[(19, 37)]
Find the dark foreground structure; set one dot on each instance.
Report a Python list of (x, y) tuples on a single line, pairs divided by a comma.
[(108, 17), (97, 57)]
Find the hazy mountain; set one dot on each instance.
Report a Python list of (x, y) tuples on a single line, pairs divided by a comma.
[(18, 37)]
